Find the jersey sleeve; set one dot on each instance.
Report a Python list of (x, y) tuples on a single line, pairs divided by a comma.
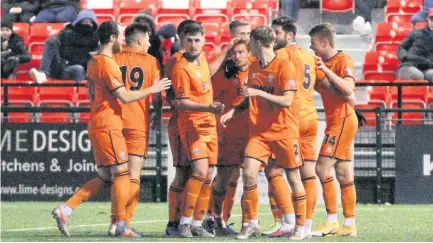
[(181, 84), (345, 68), (112, 76), (287, 80)]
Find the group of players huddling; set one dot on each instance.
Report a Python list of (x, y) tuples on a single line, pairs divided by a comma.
[(251, 109)]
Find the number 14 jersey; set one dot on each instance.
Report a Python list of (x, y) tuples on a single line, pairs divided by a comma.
[(139, 71)]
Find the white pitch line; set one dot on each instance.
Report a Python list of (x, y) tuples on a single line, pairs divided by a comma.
[(94, 225)]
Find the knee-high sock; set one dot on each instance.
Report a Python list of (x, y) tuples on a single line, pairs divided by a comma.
[(251, 198), (120, 195), (348, 199), (330, 194), (173, 204), (229, 201), (300, 203), (202, 201), (86, 192), (192, 191), (310, 186), (281, 192), (134, 196)]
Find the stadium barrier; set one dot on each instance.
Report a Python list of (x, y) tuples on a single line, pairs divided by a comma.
[(375, 149)]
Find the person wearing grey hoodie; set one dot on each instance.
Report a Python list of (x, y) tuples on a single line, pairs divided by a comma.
[(66, 55)]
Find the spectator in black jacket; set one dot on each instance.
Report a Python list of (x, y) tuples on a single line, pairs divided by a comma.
[(66, 55), (57, 11), (13, 51), (416, 53), (20, 11)]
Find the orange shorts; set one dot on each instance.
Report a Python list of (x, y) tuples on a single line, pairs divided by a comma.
[(232, 150), (137, 142), (308, 139), (200, 145), (287, 151), (179, 156), (109, 147), (339, 137)]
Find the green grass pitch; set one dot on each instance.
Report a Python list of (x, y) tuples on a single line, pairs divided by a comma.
[(32, 221)]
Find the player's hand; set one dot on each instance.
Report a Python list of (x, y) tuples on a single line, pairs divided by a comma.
[(248, 92), (234, 40), (227, 117), (216, 108), (320, 65), (361, 118), (160, 85)]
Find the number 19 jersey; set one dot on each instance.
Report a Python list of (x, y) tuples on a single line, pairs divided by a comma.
[(139, 71)]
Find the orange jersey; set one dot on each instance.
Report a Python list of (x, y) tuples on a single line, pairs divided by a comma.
[(335, 106), (104, 77), (139, 71), (226, 91), (168, 72), (193, 82), (305, 66), (268, 120)]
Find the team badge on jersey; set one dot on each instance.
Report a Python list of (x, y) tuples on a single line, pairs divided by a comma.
[(271, 78), (204, 85), (292, 84), (181, 92), (122, 155), (196, 151)]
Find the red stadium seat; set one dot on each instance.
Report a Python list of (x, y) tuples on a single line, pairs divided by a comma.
[(383, 64), (337, 5), (215, 18), (82, 94), (413, 93), (225, 33), (171, 18), (209, 47), (377, 93), (212, 32), (107, 7), (104, 17), (401, 10), (27, 95), (23, 30), (255, 19), (390, 35), (83, 117), (56, 97), (134, 6), (409, 118), (39, 32), (251, 7)]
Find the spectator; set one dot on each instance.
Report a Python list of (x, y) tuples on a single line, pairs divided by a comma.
[(13, 51), (66, 56), (422, 15), (416, 53), (164, 44), (363, 10), (56, 11), (20, 11)]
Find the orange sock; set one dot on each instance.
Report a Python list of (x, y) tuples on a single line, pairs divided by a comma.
[(330, 194), (245, 216), (86, 192), (281, 192), (300, 203), (120, 195), (251, 197), (310, 186), (229, 201), (192, 190), (276, 212), (348, 199), (173, 203), (202, 201), (134, 196)]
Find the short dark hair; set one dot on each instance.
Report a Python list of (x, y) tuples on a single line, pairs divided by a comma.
[(325, 30), (237, 23), (106, 30), (183, 24), (134, 28), (193, 29), (286, 23), (264, 34)]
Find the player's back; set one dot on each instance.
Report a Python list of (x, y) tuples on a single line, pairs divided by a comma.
[(336, 107), (139, 71), (305, 65), (193, 82), (103, 78), (268, 120)]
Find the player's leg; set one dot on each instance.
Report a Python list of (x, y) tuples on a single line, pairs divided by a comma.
[(281, 193), (308, 141), (345, 176), (276, 212), (135, 165), (230, 200), (87, 191), (250, 198)]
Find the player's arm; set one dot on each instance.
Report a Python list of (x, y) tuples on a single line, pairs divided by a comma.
[(284, 100), (344, 85), (244, 105), (216, 64), (131, 96)]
